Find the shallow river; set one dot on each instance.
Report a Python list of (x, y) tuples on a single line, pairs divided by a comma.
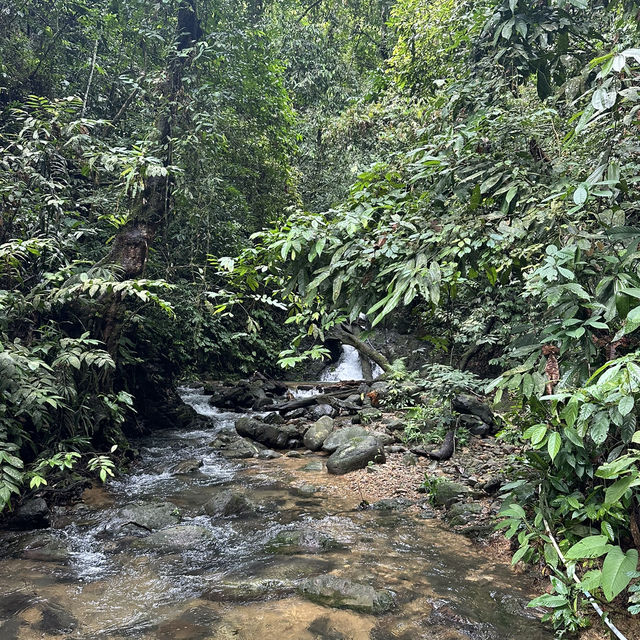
[(95, 575)]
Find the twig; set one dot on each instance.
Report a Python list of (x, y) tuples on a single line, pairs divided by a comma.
[(616, 632)]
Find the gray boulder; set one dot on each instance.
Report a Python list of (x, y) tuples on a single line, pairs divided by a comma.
[(187, 467), (274, 436), (333, 591), (340, 437), (446, 492), (316, 434), (32, 514), (152, 516), (356, 454), (228, 503), (465, 403), (302, 541), (180, 537), (233, 446)]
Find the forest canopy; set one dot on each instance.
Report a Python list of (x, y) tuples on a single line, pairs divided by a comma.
[(203, 187)]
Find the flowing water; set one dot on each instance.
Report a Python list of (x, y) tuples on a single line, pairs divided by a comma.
[(95, 574)]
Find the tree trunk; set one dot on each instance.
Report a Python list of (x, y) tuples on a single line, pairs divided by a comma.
[(347, 337)]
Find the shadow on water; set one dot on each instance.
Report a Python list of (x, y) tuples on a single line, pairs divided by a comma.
[(144, 560)]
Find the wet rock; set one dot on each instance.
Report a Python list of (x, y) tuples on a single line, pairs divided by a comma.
[(187, 467), (233, 446), (354, 399), (293, 454), (392, 504), (463, 513), (182, 537), (55, 620), (306, 490), (271, 435), (32, 514), (467, 404), (13, 603), (195, 623), (248, 590), (315, 436), (314, 465), (333, 591), (269, 454), (152, 516), (46, 549), (302, 541), (273, 418), (320, 410), (356, 454), (340, 437), (228, 503), (444, 492)]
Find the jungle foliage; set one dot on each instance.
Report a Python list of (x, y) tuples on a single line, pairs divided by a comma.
[(200, 184)]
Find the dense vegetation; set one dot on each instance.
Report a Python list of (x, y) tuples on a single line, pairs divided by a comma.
[(178, 178)]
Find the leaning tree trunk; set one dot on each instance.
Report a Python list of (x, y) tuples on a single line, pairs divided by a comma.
[(348, 337), (151, 207)]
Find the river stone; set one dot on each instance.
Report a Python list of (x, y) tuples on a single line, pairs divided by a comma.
[(269, 454), (395, 425), (305, 490), (320, 410), (233, 446), (369, 414), (55, 620), (465, 403), (248, 590), (228, 503), (155, 515), (46, 548), (341, 437), (356, 454), (187, 467), (272, 435), (32, 514), (463, 513), (444, 492), (302, 541), (392, 504), (333, 591), (383, 438), (314, 465), (182, 537), (318, 433), (475, 425)]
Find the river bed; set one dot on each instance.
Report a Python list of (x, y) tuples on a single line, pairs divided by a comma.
[(96, 574)]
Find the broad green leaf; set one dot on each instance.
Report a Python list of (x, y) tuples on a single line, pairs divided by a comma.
[(547, 600), (553, 444), (589, 547), (625, 405), (616, 571), (580, 195), (620, 487)]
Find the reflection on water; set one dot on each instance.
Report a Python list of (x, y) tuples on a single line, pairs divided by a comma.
[(183, 574)]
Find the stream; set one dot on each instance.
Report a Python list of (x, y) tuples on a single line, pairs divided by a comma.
[(122, 563)]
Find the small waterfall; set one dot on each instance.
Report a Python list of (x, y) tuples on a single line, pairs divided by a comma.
[(348, 366)]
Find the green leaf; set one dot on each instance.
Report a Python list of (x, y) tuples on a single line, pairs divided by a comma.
[(547, 600), (616, 569), (553, 444), (619, 488), (517, 556), (589, 547), (538, 434), (625, 405), (580, 195)]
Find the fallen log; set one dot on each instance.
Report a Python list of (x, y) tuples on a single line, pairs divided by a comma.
[(300, 403)]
